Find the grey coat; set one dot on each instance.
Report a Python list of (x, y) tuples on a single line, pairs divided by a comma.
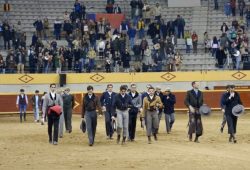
[(48, 101)]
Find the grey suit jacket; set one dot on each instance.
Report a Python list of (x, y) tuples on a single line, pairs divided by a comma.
[(48, 101)]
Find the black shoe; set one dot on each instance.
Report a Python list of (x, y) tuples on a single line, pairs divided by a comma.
[(123, 140), (155, 137), (221, 130), (91, 144), (50, 141), (149, 140), (230, 139), (118, 139), (196, 140), (70, 131)]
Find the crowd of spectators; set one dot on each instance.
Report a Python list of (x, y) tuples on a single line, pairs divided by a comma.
[(96, 46)]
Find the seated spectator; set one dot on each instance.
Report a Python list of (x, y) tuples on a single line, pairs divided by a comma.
[(2, 65)]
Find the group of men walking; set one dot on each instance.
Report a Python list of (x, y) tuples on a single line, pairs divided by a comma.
[(122, 109)]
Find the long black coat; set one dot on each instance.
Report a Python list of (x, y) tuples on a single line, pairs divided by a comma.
[(194, 100), (220, 56), (230, 103), (126, 58)]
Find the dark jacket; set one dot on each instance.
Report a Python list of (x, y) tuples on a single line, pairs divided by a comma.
[(33, 101), (90, 104), (23, 59), (230, 103), (194, 100), (126, 58), (121, 103), (68, 28), (107, 100), (38, 25), (68, 101), (169, 103)]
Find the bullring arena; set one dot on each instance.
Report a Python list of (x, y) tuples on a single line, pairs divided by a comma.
[(25, 145), (165, 44)]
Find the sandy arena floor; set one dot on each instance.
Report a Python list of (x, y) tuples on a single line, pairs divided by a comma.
[(25, 146)]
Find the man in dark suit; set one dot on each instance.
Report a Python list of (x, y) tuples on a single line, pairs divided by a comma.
[(194, 100), (106, 103)]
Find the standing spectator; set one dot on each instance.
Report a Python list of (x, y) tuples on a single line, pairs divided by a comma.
[(19, 30), (147, 12), (2, 65), (46, 28), (58, 59), (36, 104), (32, 60), (66, 16), (241, 5), (227, 9), (224, 28), (157, 12), (177, 61), (20, 60), (83, 11), (21, 104), (6, 34), (220, 56), (224, 41), (124, 28), (216, 5), (101, 48), (195, 42), (57, 29), (188, 41), (77, 7), (68, 28), (109, 6), (214, 45), (6, 9), (237, 56), (131, 35), (206, 42), (141, 27), (126, 58), (180, 22), (233, 7), (38, 24), (137, 51), (248, 17), (133, 5), (68, 105), (10, 62), (91, 58), (117, 9), (144, 46)]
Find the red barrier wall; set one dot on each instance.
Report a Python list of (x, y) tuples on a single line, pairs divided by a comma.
[(212, 98)]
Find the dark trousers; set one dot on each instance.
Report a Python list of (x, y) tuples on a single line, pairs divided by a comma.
[(132, 125), (231, 123), (53, 120), (224, 120), (233, 11), (67, 118), (108, 124), (91, 123), (195, 124), (180, 32), (6, 42)]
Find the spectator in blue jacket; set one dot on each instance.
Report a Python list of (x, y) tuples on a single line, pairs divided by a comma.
[(57, 28), (131, 35), (38, 24)]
